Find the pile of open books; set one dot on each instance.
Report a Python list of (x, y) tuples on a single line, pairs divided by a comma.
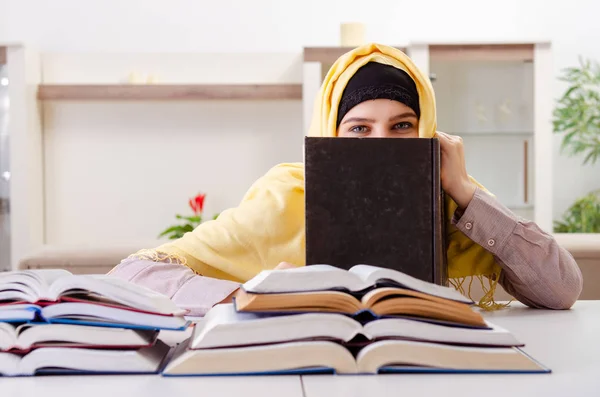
[(54, 322), (366, 320)]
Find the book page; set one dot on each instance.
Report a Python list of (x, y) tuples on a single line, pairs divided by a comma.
[(224, 326), (8, 336), (302, 279), (118, 290), (144, 360), (273, 359), (9, 364), (20, 312), (28, 285), (422, 354), (373, 274), (75, 335), (423, 330)]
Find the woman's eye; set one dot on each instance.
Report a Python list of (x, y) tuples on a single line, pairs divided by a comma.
[(358, 129), (405, 125)]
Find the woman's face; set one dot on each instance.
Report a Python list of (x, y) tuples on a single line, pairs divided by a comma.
[(379, 118)]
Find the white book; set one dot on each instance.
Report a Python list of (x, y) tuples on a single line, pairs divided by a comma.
[(28, 336), (80, 312), (358, 278), (383, 356), (32, 286), (59, 359), (223, 326)]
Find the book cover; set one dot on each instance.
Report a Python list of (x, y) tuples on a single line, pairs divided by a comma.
[(376, 201)]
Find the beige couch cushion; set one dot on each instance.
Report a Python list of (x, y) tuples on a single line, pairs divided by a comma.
[(585, 248), (81, 259)]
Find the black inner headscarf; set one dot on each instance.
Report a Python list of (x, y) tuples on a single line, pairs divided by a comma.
[(376, 80)]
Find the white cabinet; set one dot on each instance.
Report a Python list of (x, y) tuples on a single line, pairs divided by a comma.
[(498, 98), (490, 105)]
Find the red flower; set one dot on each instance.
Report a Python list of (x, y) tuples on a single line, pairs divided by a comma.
[(197, 203)]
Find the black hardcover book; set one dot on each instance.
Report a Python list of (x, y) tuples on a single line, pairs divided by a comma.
[(376, 201)]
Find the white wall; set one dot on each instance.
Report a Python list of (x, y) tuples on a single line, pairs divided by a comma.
[(179, 26), (118, 171)]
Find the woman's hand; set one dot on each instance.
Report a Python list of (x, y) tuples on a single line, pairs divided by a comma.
[(285, 265), (455, 180)]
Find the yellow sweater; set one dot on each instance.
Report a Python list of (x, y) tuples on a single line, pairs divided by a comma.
[(268, 225)]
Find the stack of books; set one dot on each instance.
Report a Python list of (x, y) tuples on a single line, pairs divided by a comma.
[(54, 322), (365, 320)]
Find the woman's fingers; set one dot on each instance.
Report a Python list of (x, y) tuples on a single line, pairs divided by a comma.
[(285, 265)]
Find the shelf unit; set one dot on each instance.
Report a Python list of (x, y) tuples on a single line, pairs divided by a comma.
[(512, 155), (132, 92)]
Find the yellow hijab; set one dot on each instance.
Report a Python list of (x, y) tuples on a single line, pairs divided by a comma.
[(268, 225)]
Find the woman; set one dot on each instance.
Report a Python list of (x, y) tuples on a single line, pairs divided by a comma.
[(372, 91)]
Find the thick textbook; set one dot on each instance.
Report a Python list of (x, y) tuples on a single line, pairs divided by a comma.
[(377, 201)]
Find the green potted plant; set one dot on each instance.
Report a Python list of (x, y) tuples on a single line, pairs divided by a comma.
[(189, 222), (577, 118)]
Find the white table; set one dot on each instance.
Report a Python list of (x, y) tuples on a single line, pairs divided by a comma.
[(566, 341)]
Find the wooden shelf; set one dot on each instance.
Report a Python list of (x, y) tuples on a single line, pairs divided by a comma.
[(2, 56), (142, 92), (481, 52), (495, 133), (328, 55)]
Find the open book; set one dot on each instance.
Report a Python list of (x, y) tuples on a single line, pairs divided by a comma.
[(358, 279), (84, 313), (29, 336), (382, 292), (57, 360), (38, 286), (385, 356), (223, 326)]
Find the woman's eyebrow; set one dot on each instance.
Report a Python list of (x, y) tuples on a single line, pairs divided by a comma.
[(358, 120), (403, 115)]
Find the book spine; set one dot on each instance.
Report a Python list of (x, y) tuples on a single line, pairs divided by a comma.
[(440, 268)]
